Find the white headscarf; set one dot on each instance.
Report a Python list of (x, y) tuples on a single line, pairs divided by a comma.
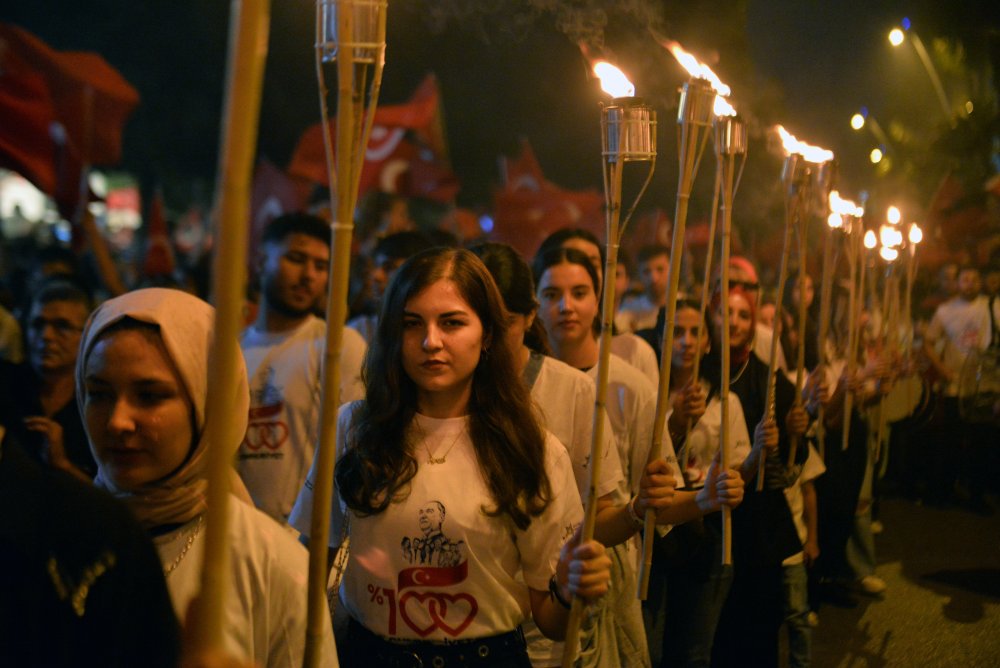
[(186, 326)]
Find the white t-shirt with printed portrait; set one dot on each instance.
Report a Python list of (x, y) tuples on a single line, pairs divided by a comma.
[(285, 372), (435, 566)]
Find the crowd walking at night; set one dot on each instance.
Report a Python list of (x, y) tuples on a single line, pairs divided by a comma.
[(464, 448), (343, 420)]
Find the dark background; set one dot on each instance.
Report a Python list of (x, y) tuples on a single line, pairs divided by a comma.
[(510, 69)]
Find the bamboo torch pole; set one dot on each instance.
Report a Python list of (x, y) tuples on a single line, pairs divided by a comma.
[(249, 23), (700, 332), (694, 117), (790, 163), (855, 251), (800, 348), (357, 43), (730, 141), (866, 241), (628, 133), (825, 297)]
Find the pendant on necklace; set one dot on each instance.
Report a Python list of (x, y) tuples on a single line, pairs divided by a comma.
[(435, 460)]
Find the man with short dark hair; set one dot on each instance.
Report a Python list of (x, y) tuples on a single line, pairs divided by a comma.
[(284, 351), (389, 255), (654, 273), (45, 399)]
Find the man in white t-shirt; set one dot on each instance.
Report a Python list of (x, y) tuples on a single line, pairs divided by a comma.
[(960, 328), (284, 351)]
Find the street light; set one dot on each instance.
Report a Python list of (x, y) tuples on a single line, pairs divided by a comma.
[(876, 155), (857, 121), (897, 37)]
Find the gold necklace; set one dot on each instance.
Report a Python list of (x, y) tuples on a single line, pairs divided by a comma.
[(431, 459), (187, 546)]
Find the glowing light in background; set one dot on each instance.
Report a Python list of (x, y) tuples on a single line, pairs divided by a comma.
[(896, 36), (893, 215), (876, 155)]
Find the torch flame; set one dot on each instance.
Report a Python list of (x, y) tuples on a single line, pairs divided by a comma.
[(871, 241), (722, 107), (916, 234), (696, 68), (893, 215), (813, 154), (890, 236), (613, 80), (842, 207), (888, 254), (835, 220)]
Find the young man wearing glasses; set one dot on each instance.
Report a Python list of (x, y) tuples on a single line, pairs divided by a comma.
[(45, 395)]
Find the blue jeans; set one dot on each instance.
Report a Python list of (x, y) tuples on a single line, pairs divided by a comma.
[(686, 595), (796, 584)]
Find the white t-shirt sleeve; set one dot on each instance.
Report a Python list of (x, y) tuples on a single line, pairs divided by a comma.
[(301, 515), (540, 543), (352, 357)]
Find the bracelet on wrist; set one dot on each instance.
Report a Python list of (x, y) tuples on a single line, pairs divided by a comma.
[(637, 519), (554, 591)]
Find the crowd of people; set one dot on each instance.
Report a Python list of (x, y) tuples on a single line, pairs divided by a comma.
[(464, 455)]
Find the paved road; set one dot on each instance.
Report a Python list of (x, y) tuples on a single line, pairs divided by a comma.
[(942, 607)]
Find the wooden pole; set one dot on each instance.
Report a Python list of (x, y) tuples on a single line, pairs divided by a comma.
[(800, 349), (249, 25), (705, 291), (772, 369), (695, 115), (613, 217), (855, 245), (825, 298), (729, 166), (353, 128)]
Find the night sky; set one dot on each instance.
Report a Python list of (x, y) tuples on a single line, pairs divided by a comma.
[(515, 71)]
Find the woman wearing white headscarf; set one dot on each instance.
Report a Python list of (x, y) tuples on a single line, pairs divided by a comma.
[(142, 385)]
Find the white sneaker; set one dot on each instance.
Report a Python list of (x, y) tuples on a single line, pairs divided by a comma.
[(872, 584)]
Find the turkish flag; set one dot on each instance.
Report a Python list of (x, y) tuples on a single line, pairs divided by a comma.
[(405, 152), (159, 260), (529, 208), (90, 98)]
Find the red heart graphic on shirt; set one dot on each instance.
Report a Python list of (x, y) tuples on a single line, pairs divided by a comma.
[(271, 435), (452, 613)]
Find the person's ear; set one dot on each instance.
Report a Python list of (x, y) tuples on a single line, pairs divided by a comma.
[(529, 319)]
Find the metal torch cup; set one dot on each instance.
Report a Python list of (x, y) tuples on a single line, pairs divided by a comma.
[(629, 131), (696, 103), (730, 135), (368, 40)]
